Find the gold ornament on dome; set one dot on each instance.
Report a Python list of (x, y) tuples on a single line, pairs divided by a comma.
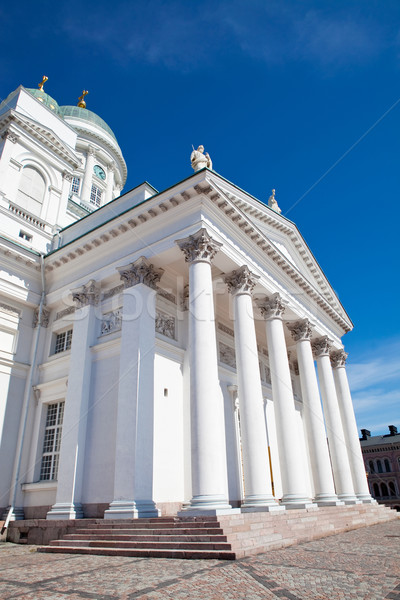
[(41, 84), (81, 99)]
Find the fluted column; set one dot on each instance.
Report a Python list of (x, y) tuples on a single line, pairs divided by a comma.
[(357, 467), (72, 451), (133, 478), (257, 481), (337, 447), (294, 494), (312, 412), (209, 476)]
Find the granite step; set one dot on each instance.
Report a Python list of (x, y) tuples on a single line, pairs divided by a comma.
[(147, 538), (142, 552), (139, 545), (137, 524), (148, 531)]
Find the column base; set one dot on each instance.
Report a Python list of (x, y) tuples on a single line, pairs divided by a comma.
[(259, 503), (207, 505), (366, 499), (17, 514), (289, 501), (349, 499), (328, 500), (65, 510), (131, 509)]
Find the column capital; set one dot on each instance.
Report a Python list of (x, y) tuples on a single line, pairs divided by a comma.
[(271, 307), (112, 166), (66, 175), (321, 346), (140, 271), (91, 151), (199, 246), (300, 330), (87, 294), (338, 358), (44, 321), (241, 281)]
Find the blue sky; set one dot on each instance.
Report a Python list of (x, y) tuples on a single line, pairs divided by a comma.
[(301, 96)]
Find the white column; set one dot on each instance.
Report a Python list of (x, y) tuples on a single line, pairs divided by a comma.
[(357, 467), (209, 475), (88, 176), (110, 182), (63, 203), (337, 447), (134, 454), (257, 480), (294, 494), (312, 412), (72, 452)]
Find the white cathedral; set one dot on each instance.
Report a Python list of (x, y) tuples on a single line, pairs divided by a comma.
[(162, 353)]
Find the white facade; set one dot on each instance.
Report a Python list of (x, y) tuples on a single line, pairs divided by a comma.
[(158, 355)]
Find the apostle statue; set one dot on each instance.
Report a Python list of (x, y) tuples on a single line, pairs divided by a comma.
[(200, 160), (272, 203)]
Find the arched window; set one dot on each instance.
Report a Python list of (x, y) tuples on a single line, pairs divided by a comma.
[(392, 489), (377, 491), (387, 465), (371, 467), (379, 466), (384, 489), (31, 190)]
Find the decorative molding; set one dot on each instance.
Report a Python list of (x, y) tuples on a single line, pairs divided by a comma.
[(227, 355), (241, 281), (111, 321), (166, 295), (66, 311), (271, 307), (185, 195), (44, 321), (87, 294), (338, 358), (141, 271), (295, 365), (300, 330), (113, 292), (68, 176), (185, 298), (8, 135), (226, 329), (199, 247), (91, 151), (165, 324), (205, 190), (321, 346), (10, 310)]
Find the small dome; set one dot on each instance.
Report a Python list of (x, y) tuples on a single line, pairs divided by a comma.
[(85, 115), (45, 99)]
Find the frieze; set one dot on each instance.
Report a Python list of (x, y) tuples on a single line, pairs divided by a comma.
[(227, 355), (10, 310), (165, 324), (226, 329), (113, 291), (167, 295), (64, 312), (111, 321)]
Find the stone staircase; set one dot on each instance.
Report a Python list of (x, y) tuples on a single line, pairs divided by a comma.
[(163, 537)]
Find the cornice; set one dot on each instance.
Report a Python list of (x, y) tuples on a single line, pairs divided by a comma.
[(24, 256), (41, 134), (160, 204)]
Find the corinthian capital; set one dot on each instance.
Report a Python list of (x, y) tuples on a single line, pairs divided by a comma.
[(141, 271), (338, 358), (300, 330), (199, 246), (321, 346), (272, 307), (241, 281), (87, 294)]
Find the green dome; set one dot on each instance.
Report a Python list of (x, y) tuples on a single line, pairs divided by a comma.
[(45, 99), (85, 115)]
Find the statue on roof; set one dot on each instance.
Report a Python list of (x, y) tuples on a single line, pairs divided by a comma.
[(199, 159), (81, 99), (41, 84), (272, 203)]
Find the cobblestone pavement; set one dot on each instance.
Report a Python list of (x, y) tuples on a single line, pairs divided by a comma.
[(361, 564)]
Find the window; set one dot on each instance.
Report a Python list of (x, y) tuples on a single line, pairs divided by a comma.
[(384, 489), (32, 187), (379, 466), (392, 489), (371, 467), (95, 195), (52, 441), (63, 341), (75, 185), (377, 492), (25, 236), (387, 465)]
